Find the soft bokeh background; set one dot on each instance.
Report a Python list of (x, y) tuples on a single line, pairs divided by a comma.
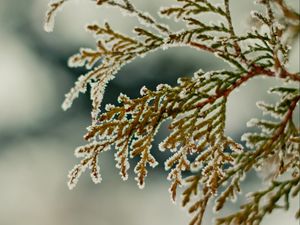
[(37, 138)]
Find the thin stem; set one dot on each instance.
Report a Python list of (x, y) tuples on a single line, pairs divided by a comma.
[(280, 130), (130, 8), (289, 13), (283, 74), (256, 71), (231, 30)]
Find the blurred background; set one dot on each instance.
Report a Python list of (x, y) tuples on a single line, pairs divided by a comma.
[(37, 138)]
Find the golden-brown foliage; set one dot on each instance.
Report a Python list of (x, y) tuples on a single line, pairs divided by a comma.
[(196, 107)]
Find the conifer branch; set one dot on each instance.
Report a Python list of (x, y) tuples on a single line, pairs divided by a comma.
[(204, 161)]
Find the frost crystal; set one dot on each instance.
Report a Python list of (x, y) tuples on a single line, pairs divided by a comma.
[(80, 86), (143, 91)]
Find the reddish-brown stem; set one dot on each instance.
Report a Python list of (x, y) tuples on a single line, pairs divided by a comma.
[(256, 71), (203, 47), (289, 13), (288, 116), (262, 71), (251, 159), (292, 76)]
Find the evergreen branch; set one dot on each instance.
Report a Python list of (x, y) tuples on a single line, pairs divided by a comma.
[(203, 158), (247, 160), (53, 7), (255, 210), (144, 17), (192, 7)]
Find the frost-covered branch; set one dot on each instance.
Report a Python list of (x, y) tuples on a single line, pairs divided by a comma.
[(204, 160)]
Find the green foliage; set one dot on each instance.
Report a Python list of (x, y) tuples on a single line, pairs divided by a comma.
[(196, 107)]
